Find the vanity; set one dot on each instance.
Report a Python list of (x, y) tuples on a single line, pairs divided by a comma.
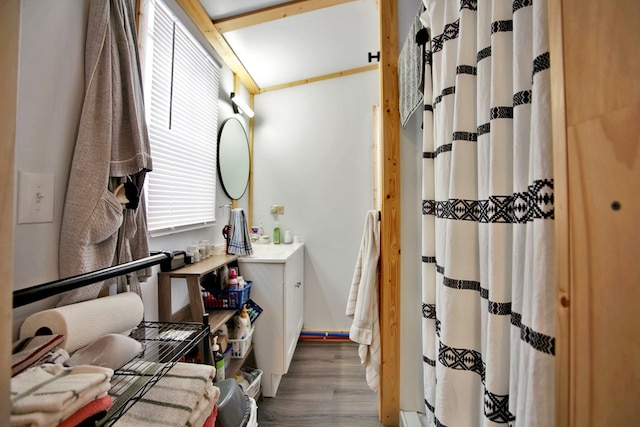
[(277, 272)]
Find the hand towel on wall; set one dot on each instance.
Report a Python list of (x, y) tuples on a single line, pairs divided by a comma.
[(410, 64), (362, 304), (112, 141), (240, 243)]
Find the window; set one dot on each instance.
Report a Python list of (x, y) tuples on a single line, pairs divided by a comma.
[(181, 90)]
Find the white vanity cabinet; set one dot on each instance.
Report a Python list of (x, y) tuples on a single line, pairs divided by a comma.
[(277, 272)]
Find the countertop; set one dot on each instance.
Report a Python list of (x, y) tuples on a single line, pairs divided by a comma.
[(271, 253)]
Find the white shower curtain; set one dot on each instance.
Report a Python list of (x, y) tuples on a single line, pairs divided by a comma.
[(487, 253)]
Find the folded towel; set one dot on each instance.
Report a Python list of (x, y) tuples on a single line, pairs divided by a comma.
[(53, 388), (185, 395), (32, 351), (211, 419), (88, 411), (46, 419), (240, 243)]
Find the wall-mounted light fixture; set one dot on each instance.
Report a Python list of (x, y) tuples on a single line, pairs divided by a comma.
[(239, 106)]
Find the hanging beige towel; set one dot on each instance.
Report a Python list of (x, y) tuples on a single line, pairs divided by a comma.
[(362, 305)]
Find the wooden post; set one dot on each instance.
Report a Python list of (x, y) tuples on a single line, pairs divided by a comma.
[(389, 396)]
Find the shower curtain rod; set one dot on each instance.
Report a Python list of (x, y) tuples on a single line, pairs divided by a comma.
[(38, 292)]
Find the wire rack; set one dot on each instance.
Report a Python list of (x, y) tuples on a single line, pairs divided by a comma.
[(164, 344)]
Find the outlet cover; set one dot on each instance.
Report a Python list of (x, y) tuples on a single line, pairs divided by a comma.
[(277, 209), (35, 197)]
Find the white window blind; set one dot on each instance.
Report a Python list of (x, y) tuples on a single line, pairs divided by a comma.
[(182, 113)]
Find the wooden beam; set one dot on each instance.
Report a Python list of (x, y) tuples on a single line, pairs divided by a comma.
[(272, 13), (561, 212), (319, 78), (201, 19), (389, 396), (9, 34)]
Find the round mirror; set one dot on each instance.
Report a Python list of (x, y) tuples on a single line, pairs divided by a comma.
[(233, 158)]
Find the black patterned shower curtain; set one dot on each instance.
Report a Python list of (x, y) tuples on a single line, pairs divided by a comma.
[(487, 251)]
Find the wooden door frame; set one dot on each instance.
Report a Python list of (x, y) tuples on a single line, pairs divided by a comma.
[(390, 227)]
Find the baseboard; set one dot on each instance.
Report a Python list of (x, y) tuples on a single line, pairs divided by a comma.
[(334, 336), (412, 419)]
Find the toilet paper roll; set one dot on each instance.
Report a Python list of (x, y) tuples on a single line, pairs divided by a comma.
[(84, 322)]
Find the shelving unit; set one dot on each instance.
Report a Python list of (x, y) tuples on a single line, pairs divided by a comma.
[(164, 344), (193, 275)]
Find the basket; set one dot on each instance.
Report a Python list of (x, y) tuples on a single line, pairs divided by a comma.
[(240, 347), (226, 299), (253, 377)]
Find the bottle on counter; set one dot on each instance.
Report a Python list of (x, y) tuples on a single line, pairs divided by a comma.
[(276, 234), (218, 359)]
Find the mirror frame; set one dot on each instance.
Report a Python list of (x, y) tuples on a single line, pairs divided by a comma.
[(236, 142)]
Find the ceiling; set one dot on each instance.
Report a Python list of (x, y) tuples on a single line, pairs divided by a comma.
[(280, 43)]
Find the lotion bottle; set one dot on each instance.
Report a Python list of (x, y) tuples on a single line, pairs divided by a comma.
[(242, 324)]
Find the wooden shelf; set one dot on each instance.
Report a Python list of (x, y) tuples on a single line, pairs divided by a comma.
[(235, 364), (218, 318)]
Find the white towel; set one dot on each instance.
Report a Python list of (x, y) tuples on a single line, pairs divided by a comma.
[(362, 304), (240, 243)]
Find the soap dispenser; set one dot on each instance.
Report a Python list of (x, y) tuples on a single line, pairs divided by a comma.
[(276, 234)]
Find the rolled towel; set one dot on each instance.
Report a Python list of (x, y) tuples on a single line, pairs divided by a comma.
[(84, 322)]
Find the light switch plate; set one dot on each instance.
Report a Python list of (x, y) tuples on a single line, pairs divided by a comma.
[(35, 197)]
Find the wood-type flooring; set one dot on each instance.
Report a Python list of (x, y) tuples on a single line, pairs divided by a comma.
[(325, 386)]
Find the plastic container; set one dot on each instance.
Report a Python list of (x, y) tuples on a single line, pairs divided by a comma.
[(226, 299), (240, 347), (254, 378), (253, 413), (234, 407)]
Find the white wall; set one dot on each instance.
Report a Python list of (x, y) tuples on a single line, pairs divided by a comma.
[(411, 387), (313, 154), (50, 92)]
